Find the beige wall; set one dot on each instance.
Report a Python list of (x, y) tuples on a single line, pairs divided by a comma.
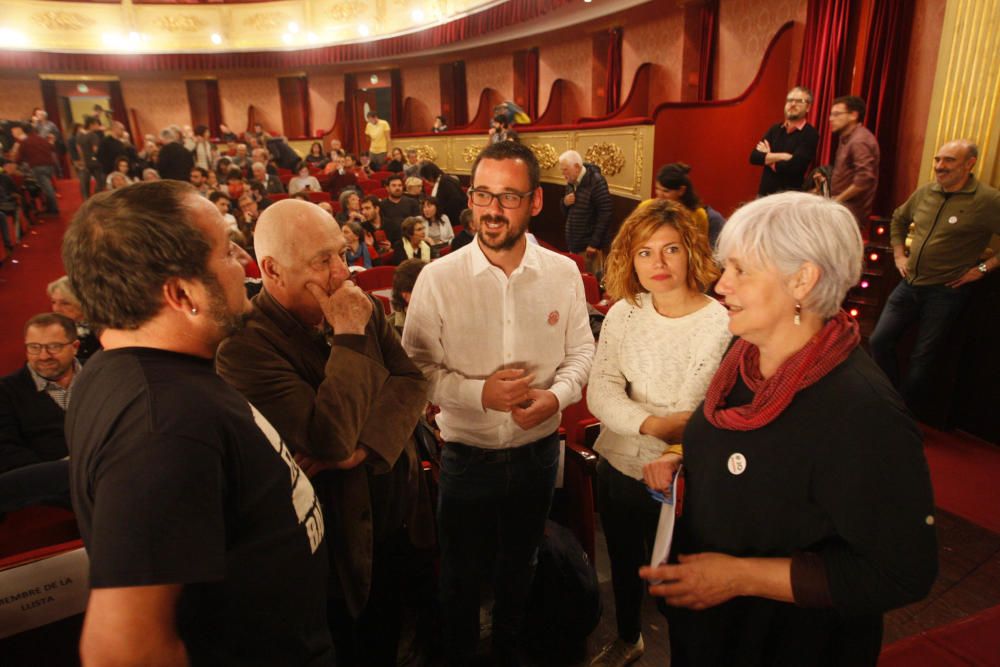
[(490, 71), (746, 27), (238, 92), (325, 92), (657, 38), (423, 82), (158, 102), (568, 60), (21, 93)]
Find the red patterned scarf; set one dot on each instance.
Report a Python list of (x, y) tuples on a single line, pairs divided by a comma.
[(824, 352)]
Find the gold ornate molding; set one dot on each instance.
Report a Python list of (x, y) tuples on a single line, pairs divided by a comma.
[(425, 152), (346, 11), (608, 156), (266, 21), (62, 20), (182, 23), (546, 154), (471, 153)]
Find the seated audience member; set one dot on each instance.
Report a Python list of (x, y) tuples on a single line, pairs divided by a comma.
[(403, 280), (351, 166), (122, 167), (673, 183), (799, 426), (396, 160), (235, 185), (303, 180), (412, 166), (199, 179), (222, 168), (340, 178), (263, 156), (412, 244), (373, 224), (439, 231), (33, 401), (447, 189), (395, 207), (329, 401), (116, 180), (150, 174), (272, 184), (212, 181), (65, 303), (260, 195), (413, 187), (169, 461), (224, 204), (659, 347), (365, 163), (317, 158), (205, 153), (242, 157), (350, 207), (358, 252), (440, 125), (500, 130), (249, 210), (469, 228), (175, 161)]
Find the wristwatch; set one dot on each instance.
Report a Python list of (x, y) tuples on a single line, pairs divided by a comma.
[(982, 268)]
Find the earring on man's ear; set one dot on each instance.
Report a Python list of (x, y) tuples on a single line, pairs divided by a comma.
[(194, 311), (798, 313)]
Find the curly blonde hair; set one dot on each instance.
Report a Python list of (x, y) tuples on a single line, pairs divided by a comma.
[(620, 279)]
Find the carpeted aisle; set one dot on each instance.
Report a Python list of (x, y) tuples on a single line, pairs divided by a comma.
[(27, 271), (965, 473)]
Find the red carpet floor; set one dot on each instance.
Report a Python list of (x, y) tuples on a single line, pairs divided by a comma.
[(24, 275), (965, 473)]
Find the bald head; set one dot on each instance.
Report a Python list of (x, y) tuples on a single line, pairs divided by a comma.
[(283, 227)]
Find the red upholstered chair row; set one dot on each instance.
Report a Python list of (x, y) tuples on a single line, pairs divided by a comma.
[(375, 278), (578, 474)]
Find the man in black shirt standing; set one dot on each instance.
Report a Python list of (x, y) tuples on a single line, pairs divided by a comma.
[(788, 148), (205, 537), (395, 208)]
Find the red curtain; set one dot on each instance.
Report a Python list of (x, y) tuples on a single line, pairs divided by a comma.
[(613, 84), (882, 84), (50, 102), (824, 51), (396, 97), (117, 101), (481, 23), (531, 83), (351, 136), (214, 106), (294, 96), (454, 105), (709, 15)]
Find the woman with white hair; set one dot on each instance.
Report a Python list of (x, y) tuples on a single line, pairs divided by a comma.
[(64, 302), (808, 510)]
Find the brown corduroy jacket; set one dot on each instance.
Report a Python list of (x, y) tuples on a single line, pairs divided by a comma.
[(325, 401)]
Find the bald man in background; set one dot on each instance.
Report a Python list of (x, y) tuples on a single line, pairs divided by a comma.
[(322, 363)]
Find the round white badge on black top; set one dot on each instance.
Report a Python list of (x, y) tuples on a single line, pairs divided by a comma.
[(952, 220), (737, 463)]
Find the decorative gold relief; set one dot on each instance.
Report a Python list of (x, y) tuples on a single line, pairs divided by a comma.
[(182, 23), (347, 11), (546, 155), (62, 20), (425, 152), (609, 157), (471, 153), (265, 21), (639, 159)]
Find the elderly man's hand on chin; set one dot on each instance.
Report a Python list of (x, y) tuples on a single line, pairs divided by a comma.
[(347, 309)]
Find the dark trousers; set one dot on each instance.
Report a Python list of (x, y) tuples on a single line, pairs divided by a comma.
[(629, 517), (935, 308), (491, 497), (43, 176), (36, 484)]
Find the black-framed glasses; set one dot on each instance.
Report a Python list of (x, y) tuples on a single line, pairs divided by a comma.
[(51, 348), (485, 198)]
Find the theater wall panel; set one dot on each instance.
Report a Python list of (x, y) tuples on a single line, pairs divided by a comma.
[(424, 83), (655, 38), (158, 102), (568, 60), (238, 92), (325, 92), (494, 71), (21, 94), (746, 27)]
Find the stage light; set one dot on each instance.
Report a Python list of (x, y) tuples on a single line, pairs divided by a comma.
[(293, 27), (286, 38), (374, 79), (363, 30), (83, 88), (873, 257), (10, 38), (417, 15), (853, 312), (216, 38), (311, 37), (864, 284)]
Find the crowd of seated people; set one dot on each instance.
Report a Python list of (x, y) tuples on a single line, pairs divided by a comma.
[(667, 381)]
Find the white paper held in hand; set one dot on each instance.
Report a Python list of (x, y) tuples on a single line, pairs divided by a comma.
[(665, 527)]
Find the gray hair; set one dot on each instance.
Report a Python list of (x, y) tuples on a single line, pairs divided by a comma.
[(62, 285), (571, 157), (786, 230), (169, 135)]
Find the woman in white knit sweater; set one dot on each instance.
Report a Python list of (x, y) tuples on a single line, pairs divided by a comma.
[(659, 347)]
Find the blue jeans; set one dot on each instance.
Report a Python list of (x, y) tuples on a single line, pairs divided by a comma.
[(935, 308), (492, 506), (36, 484), (43, 176)]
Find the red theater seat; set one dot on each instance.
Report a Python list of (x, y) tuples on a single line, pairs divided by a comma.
[(375, 278)]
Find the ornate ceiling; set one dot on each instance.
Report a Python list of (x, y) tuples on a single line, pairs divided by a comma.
[(183, 26)]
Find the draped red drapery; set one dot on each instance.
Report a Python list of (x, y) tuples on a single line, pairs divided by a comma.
[(531, 83), (824, 50), (396, 99), (475, 25), (882, 84), (294, 97), (613, 84), (352, 137), (117, 101), (50, 102), (709, 15)]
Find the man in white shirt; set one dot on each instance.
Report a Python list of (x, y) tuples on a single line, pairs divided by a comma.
[(500, 329)]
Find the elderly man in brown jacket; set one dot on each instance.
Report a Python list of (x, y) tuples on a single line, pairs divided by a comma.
[(325, 367)]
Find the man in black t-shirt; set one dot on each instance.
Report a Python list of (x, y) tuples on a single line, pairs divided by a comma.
[(788, 148), (206, 539), (395, 208)]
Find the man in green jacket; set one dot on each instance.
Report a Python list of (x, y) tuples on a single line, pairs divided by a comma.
[(326, 368), (953, 219)]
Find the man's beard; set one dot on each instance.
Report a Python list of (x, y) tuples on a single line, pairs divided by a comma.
[(229, 323), (509, 241)]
